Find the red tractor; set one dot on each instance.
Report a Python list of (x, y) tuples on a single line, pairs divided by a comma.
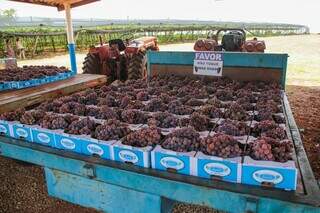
[(233, 40), (120, 60)]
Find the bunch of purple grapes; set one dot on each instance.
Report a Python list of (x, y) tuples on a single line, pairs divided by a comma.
[(234, 128), (149, 136), (182, 140), (133, 116), (221, 145), (199, 122), (111, 130), (163, 120), (84, 126), (155, 105), (176, 107)]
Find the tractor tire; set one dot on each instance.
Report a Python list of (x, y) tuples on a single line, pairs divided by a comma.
[(91, 64), (137, 68)]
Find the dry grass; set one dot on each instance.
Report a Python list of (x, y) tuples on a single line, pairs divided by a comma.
[(304, 57)]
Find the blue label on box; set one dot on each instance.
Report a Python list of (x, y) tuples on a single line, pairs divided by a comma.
[(43, 137), (4, 128), (92, 148), (179, 163), (14, 85), (226, 170), (135, 157), (22, 132), (68, 143), (6, 85), (27, 83), (283, 178)]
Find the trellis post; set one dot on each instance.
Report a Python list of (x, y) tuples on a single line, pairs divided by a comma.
[(70, 37)]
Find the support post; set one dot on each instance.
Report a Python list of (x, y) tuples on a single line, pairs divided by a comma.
[(71, 44)]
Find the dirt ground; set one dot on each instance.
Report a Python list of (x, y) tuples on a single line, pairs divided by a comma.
[(23, 189)]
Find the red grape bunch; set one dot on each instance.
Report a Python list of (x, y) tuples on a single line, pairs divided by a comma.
[(150, 136), (155, 105), (32, 117), (176, 107), (262, 150), (211, 111), (12, 116), (199, 122), (52, 121), (182, 140), (111, 130), (84, 126), (224, 94), (221, 145), (269, 128), (107, 113), (194, 102), (163, 120), (133, 116), (234, 128), (142, 96), (237, 112)]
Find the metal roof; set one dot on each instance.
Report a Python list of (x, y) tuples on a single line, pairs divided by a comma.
[(59, 4)]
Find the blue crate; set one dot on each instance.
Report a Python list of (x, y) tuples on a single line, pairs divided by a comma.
[(5, 128), (183, 163), (55, 78), (43, 136), (218, 168), (35, 82), (21, 131), (14, 85), (67, 142), (6, 85), (92, 146), (276, 174), (25, 84), (135, 155), (1, 86)]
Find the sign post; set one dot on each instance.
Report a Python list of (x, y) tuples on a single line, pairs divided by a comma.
[(208, 63)]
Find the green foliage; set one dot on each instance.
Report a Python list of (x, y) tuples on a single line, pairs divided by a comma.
[(52, 39)]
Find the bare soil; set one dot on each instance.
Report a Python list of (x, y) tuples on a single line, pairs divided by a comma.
[(305, 104)]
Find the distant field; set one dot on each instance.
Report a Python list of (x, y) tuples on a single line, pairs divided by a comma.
[(304, 57), (303, 63)]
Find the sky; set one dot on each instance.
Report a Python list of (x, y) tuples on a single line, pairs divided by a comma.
[(306, 12)]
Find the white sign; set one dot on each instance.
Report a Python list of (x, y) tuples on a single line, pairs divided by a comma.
[(208, 63)]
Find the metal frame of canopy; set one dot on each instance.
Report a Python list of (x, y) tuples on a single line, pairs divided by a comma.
[(64, 5)]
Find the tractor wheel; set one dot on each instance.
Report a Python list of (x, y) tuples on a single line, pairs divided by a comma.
[(91, 64), (137, 66)]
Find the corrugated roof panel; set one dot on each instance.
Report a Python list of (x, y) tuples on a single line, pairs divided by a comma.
[(57, 3)]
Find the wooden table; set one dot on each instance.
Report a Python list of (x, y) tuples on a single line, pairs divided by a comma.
[(10, 100)]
